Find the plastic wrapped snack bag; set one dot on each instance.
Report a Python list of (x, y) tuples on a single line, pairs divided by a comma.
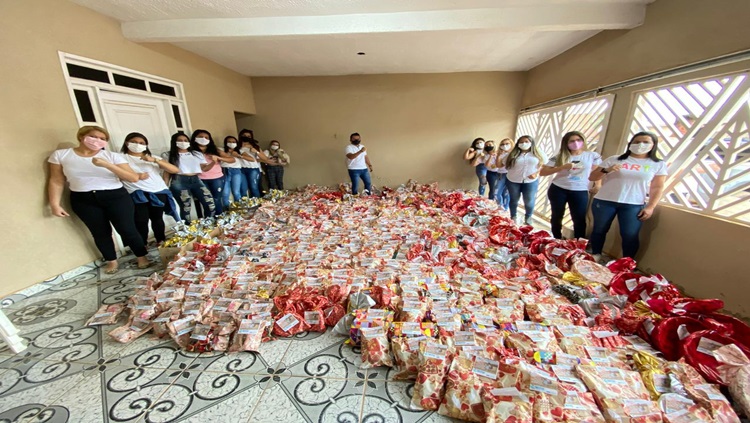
[(735, 373), (131, 331), (433, 366), (506, 405), (106, 315), (376, 350), (466, 378), (406, 357), (679, 409), (249, 336)]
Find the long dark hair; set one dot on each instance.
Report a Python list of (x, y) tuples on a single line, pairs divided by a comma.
[(513, 155), (129, 137), (210, 148), (174, 155), (236, 141), (474, 143), (653, 154), (252, 141)]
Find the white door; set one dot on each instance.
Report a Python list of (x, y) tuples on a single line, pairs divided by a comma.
[(126, 113)]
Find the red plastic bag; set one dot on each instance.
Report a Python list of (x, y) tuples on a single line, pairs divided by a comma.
[(666, 335), (698, 351), (625, 264), (289, 324)]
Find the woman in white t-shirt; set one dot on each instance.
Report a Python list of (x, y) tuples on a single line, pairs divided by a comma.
[(186, 183), (488, 160), (150, 193), (523, 165), (97, 196), (502, 194), (571, 185), (631, 188), (234, 181)]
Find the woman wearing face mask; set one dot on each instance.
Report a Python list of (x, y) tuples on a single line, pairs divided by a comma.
[(191, 164), (275, 170), (570, 185), (213, 178), (502, 195), (523, 165), (631, 188), (477, 150), (489, 159), (251, 165), (97, 195), (234, 182), (150, 194)]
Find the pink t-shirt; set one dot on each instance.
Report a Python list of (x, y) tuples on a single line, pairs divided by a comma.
[(214, 172)]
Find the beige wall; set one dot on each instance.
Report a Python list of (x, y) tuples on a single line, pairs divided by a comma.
[(675, 32), (37, 117), (703, 255), (414, 126)]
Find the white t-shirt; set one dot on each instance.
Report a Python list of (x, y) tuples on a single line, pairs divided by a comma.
[(631, 183), (359, 162), (190, 163), (255, 164), (83, 175), (576, 179), (154, 183), (526, 164), (237, 164)]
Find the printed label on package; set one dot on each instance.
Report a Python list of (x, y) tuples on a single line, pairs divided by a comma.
[(287, 322), (573, 402), (464, 338), (543, 383), (435, 350), (485, 367), (312, 318), (708, 346)]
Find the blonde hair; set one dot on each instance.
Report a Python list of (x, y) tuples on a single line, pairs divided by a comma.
[(564, 156), (513, 156), (512, 144), (85, 130)]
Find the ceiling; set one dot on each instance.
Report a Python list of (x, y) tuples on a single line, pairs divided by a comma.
[(323, 37)]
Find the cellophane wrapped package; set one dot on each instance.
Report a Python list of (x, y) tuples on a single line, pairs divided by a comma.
[(434, 363), (735, 372), (106, 315), (376, 350)]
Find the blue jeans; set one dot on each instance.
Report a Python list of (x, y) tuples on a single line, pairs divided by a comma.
[(233, 183), (627, 216), (355, 175), (481, 171), (578, 201), (215, 186), (252, 179), (528, 190), (183, 187), (492, 179), (501, 191)]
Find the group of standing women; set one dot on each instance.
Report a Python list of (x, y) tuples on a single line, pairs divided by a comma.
[(129, 189), (626, 186)]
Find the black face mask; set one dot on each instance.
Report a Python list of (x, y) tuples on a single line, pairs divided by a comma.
[(356, 142), (489, 148)]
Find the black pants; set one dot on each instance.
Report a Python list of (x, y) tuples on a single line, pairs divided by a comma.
[(145, 212), (578, 201), (100, 210), (275, 177)]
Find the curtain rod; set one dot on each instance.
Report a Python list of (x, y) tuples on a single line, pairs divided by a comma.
[(692, 67)]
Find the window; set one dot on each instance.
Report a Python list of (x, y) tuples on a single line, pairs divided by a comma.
[(83, 72), (84, 106), (703, 127), (162, 89), (130, 82), (547, 127)]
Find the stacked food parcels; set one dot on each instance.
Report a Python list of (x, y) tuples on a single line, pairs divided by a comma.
[(492, 322)]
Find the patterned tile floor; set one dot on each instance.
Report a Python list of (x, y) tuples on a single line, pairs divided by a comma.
[(74, 373)]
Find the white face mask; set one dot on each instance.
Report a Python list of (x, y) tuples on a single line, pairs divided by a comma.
[(524, 146), (480, 146), (136, 148), (244, 150), (232, 145), (202, 141), (274, 147), (640, 148), (505, 147), (183, 145)]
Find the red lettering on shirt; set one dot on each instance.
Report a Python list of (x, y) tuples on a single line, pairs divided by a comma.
[(635, 167)]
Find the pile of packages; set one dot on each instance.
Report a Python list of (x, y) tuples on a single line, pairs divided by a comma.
[(492, 322)]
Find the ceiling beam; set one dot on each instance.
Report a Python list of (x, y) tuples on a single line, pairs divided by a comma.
[(554, 17)]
